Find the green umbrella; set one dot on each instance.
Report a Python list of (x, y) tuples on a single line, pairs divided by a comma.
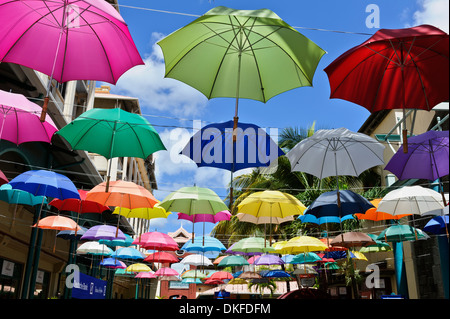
[(252, 245), (250, 54), (401, 233), (378, 247), (193, 200), (112, 133), (233, 261)]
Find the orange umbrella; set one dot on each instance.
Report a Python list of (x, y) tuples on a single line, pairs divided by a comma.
[(374, 215), (57, 223)]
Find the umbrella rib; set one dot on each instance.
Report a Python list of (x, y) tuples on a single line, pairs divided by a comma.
[(421, 81)]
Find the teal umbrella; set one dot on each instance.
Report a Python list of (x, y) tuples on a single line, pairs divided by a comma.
[(233, 261), (398, 233), (305, 258)]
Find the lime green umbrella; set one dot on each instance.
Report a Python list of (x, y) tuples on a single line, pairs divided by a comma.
[(251, 245), (378, 247), (112, 133)]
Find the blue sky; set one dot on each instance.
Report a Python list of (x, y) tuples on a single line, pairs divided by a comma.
[(172, 107)]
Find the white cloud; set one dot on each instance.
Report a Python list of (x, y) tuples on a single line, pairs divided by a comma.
[(155, 92), (434, 12)]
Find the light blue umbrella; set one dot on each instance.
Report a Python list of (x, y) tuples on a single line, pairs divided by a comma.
[(304, 258), (128, 253), (118, 242), (204, 244)]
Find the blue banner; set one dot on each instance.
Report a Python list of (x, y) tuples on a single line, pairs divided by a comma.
[(87, 287)]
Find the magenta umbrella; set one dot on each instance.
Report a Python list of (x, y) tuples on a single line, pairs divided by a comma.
[(67, 39), (19, 120), (156, 241), (205, 218)]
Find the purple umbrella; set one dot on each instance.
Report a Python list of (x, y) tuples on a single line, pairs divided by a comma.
[(268, 259), (103, 232), (427, 158)]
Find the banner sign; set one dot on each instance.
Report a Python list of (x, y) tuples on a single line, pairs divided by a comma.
[(87, 287)]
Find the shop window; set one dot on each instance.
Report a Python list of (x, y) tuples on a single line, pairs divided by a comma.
[(10, 274)]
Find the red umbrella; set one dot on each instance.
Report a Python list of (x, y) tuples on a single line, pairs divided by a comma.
[(221, 275), (3, 178), (395, 68), (161, 257)]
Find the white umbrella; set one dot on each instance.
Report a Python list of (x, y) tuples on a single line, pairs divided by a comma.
[(416, 200), (336, 152), (196, 260), (94, 248)]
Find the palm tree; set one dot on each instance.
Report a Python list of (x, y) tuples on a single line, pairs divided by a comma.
[(269, 284)]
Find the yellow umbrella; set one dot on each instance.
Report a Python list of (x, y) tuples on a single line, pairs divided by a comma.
[(142, 212), (302, 244), (237, 281), (359, 255), (138, 267), (278, 246)]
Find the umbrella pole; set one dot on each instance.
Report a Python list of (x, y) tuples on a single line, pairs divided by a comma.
[(108, 177), (441, 188)]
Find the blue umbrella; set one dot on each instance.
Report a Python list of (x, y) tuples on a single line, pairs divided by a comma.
[(327, 204), (212, 146), (276, 274), (309, 218), (70, 234), (45, 183), (128, 253), (437, 225), (204, 244)]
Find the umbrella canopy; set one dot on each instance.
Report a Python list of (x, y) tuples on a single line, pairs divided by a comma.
[(437, 225), (19, 120), (302, 244), (204, 244), (19, 197), (352, 239), (146, 275), (402, 64), (242, 53), (94, 248), (3, 178), (398, 233), (195, 273), (79, 40), (408, 69), (271, 204), (112, 133), (305, 269), (45, 183), (113, 263), (128, 241), (416, 200), (138, 267), (156, 241), (142, 212), (327, 204), (336, 152), (78, 205), (378, 247), (375, 215), (106, 232), (263, 219), (71, 234), (249, 275), (196, 260), (427, 157), (221, 275), (122, 194), (193, 200), (165, 271), (277, 274), (58, 223), (304, 258), (268, 259), (161, 257), (214, 146), (128, 253), (309, 218), (233, 261), (252, 245), (208, 218)]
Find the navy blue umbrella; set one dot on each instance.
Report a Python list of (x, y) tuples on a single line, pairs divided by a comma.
[(213, 146), (327, 204)]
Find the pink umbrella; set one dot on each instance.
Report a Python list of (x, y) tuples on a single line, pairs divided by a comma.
[(156, 241), (149, 275), (206, 218), (3, 178), (167, 274), (19, 120), (67, 39)]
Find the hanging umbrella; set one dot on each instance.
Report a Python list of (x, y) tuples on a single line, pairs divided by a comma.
[(309, 218), (302, 244), (233, 261), (252, 245), (352, 239), (57, 222), (221, 275), (375, 215), (213, 146), (45, 183), (305, 270), (218, 260), (378, 247), (327, 240), (415, 200), (327, 204), (195, 273), (277, 274), (206, 218), (399, 233), (78, 40), (263, 219), (249, 275), (166, 272), (78, 205), (113, 263), (94, 248), (128, 241), (196, 260), (128, 253), (192, 201), (3, 178), (304, 258), (146, 275), (138, 267), (112, 133), (142, 212), (70, 234), (237, 281), (106, 232), (204, 245), (19, 197), (19, 120), (268, 259), (156, 241), (161, 257), (427, 158), (408, 69), (437, 225)]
